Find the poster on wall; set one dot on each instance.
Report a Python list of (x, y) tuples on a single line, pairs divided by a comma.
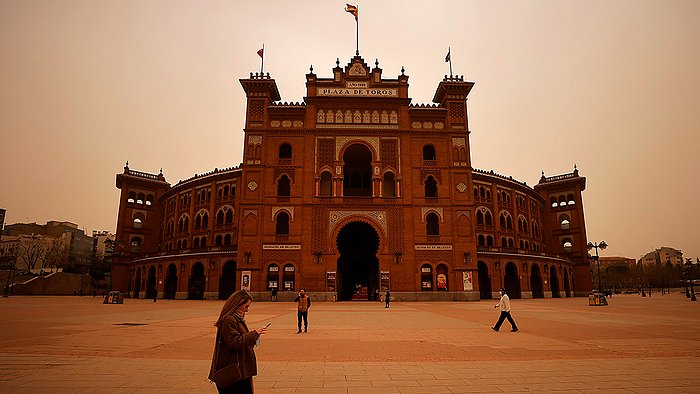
[(330, 281), (442, 282), (468, 280), (384, 280), (245, 280)]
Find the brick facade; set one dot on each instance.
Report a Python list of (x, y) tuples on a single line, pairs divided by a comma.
[(353, 190)]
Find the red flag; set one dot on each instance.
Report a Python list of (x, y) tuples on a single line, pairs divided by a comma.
[(260, 53), (351, 9)]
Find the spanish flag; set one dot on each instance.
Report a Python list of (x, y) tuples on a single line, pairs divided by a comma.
[(351, 9)]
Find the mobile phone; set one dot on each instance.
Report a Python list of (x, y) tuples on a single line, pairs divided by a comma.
[(268, 325)]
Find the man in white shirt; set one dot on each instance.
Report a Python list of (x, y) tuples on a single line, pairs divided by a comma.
[(504, 304)]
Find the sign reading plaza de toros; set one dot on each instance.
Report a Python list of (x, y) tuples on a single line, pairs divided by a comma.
[(358, 92)]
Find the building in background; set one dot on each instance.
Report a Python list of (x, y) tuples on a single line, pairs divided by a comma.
[(662, 255), (352, 191), (50, 246)]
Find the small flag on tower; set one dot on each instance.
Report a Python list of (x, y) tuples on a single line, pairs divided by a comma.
[(447, 58), (351, 9), (260, 52)]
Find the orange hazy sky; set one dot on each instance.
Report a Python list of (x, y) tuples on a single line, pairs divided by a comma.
[(612, 86)]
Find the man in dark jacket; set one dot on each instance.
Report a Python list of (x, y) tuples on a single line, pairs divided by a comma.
[(303, 304)]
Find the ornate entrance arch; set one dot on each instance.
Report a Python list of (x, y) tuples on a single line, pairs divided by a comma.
[(358, 265)]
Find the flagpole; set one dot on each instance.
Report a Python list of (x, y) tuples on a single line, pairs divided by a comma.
[(262, 60), (357, 34), (449, 50)]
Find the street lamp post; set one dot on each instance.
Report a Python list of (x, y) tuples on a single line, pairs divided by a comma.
[(593, 245)]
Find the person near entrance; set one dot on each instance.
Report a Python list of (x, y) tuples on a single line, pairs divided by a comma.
[(303, 304), (504, 304), (387, 297), (233, 364)]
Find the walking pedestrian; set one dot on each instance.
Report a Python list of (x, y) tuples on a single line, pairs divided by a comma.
[(504, 304), (303, 304), (155, 295), (233, 364), (273, 294), (387, 298)]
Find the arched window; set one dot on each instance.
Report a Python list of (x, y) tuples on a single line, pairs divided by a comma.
[(476, 192), (220, 217), (285, 151), (203, 242), (389, 185), (567, 244), (132, 197), (229, 216), (432, 224), (141, 198), (195, 244), (149, 199), (431, 190), (565, 223), (227, 239), (481, 240), (489, 240), (570, 197), (553, 200), (504, 242), (218, 240), (326, 185), (283, 186), (479, 218), (428, 152), (136, 244), (488, 218), (282, 226), (138, 223)]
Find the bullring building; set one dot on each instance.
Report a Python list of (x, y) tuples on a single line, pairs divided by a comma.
[(354, 190)]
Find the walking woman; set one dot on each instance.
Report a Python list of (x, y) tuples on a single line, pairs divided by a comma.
[(233, 364)]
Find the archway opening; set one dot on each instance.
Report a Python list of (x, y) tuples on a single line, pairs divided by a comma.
[(358, 265), (484, 281), (357, 171), (567, 289), (512, 281), (536, 282), (227, 283), (554, 282), (151, 283), (197, 282), (170, 283), (137, 284)]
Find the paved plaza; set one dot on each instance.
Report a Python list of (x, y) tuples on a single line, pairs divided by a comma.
[(79, 345)]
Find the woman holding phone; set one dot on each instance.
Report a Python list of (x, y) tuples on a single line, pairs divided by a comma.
[(233, 364)]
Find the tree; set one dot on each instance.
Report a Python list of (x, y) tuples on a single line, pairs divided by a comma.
[(57, 254), (32, 249)]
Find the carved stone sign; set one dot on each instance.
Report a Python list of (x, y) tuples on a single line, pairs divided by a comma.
[(433, 247), (358, 92), (282, 247)]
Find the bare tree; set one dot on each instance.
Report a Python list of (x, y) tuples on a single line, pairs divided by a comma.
[(31, 249), (57, 254)]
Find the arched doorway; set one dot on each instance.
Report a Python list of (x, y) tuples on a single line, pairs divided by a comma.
[(170, 283), (554, 282), (536, 282), (227, 283), (512, 281), (567, 289), (358, 265), (357, 171), (197, 282), (151, 283), (137, 284), (484, 281)]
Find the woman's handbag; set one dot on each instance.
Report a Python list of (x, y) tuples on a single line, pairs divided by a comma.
[(229, 374)]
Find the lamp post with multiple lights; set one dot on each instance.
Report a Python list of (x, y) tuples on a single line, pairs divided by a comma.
[(593, 245)]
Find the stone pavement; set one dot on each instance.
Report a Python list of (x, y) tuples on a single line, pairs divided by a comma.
[(78, 345)]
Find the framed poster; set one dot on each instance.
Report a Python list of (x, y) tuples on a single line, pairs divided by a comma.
[(245, 280)]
